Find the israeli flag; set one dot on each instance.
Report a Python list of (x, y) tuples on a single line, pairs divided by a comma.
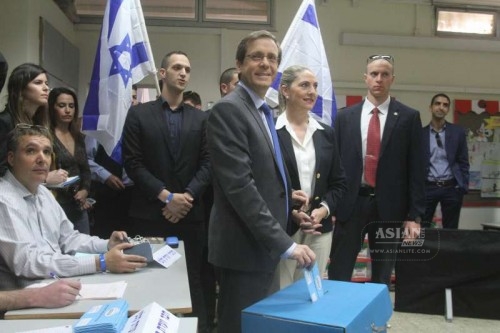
[(303, 45), (123, 58)]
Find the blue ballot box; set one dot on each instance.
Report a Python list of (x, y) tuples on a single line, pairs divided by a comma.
[(345, 307)]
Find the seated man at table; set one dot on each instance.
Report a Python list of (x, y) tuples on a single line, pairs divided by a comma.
[(55, 295), (36, 237)]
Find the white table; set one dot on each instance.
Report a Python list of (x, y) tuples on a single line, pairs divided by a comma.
[(168, 287), (187, 325)]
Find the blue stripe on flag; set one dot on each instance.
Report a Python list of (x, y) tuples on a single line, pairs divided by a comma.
[(318, 107), (139, 54), (113, 12), (277, 81), (91, 109), (310, 16), (334, 109), (116, 155)]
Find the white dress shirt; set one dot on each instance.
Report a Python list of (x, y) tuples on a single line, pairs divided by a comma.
[(36, 237)]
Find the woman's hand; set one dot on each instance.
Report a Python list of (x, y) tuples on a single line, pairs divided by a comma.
[(81, 196), (55, 177)]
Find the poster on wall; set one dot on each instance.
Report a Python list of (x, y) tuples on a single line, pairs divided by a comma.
[(481, 120)]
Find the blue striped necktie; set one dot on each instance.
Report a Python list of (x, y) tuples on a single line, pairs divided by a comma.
[(277, 151)]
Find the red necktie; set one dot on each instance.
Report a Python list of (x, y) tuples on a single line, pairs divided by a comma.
[(372, 149)]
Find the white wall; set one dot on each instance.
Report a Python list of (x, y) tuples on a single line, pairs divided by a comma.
[(424, 64), (20, 34)]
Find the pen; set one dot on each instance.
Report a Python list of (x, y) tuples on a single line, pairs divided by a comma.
[(55, 277)]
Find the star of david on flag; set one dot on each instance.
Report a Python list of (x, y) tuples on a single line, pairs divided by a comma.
[(123, 57), (303, 45)]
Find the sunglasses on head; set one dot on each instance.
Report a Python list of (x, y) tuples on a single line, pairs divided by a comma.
[(39, 128), (374, 57)]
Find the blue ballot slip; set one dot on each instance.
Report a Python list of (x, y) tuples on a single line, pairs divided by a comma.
[(104, 318), (313, 281)]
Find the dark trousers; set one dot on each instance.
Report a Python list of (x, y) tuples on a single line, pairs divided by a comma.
[(77, 216), (348, 238), (237, 291), (193, 235), (450, 197), (110, 212)]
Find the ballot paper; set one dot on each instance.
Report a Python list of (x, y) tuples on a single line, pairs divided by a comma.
[(111, 290), (166, 256), (104, 318), (313, 281)]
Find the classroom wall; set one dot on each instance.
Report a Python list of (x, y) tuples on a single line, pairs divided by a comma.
[(424, 64)]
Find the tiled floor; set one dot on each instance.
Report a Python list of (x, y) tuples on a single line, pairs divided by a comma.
[(402, 322)]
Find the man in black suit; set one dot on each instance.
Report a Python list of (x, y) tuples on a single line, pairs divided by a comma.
[(165, 154), (247, 230), (385, 176), (447, 169)]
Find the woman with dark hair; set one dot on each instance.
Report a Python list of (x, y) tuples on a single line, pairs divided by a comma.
[(70, 155), (28, 92)]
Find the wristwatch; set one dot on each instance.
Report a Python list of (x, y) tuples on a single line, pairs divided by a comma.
[(170, 197)]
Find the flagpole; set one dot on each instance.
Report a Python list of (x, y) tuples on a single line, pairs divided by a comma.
[(148, 44)]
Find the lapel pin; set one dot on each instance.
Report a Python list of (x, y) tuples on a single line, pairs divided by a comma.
[(395, 113)]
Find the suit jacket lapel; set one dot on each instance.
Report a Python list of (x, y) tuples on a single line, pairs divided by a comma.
[(390, 123), (448, 142), (355, 122), (187, 120), (161, 120), (289, 157), (426, 142), (249, 105)]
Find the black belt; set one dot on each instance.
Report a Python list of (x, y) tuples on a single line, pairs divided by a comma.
[(442, 183), (366, 191)]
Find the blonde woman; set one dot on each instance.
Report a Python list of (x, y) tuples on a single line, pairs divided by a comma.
[(310, 152)]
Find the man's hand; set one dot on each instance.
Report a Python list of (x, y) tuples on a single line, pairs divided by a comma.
[(117, 237), (305, 222), (168, 215), (304, 255), (179, 207), (117, 262), (81, 197), (412, 229), (114, 183), (57, 294), (56, 177)]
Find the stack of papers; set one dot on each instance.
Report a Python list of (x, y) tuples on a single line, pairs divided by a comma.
[(112, 290), (153, 318), (105, 318)]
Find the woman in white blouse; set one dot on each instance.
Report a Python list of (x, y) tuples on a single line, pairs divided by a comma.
[(311, 156)]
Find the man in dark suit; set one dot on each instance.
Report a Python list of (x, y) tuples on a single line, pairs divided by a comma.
[(380, 147), (247, 230), (165, 154), (447, 169)]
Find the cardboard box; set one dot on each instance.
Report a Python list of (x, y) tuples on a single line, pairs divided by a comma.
[(345, 307)]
